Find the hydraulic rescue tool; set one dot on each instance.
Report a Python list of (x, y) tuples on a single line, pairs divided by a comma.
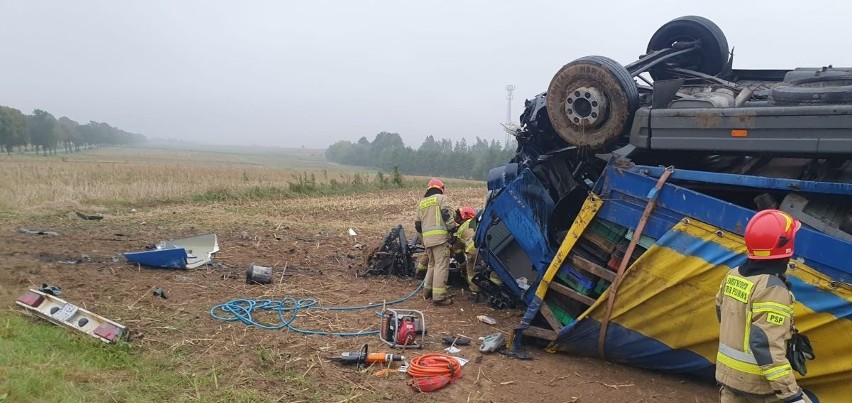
[(363, 358)]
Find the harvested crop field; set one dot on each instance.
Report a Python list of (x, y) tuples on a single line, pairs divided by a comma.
[(177, 351)]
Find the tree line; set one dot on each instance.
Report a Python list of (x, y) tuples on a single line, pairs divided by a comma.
[(433, 158), (42, 131)]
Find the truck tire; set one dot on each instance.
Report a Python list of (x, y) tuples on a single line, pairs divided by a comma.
[(591, 101), (710, 59), (808, 73), (821, 90)]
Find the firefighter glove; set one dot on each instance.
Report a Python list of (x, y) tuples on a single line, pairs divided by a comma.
[(799, 350)]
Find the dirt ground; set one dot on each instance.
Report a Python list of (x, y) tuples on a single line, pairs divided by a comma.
[(312, 257)]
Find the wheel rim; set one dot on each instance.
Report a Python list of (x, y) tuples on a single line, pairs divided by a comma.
[(591, 101), (586, 107)]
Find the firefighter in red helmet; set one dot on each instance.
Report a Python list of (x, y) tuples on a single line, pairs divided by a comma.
[(754, 306), (463, 240), (434, 221)]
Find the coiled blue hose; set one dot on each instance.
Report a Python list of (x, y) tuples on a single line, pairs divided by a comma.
[(241, 310)]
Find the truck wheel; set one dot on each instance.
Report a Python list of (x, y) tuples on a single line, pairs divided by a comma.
[(710, 58), (822, 90), (816, 73), (591, 101)]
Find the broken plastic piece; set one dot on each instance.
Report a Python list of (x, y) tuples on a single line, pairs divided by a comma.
[(89, 216), (108, 331), (487, 319), (493, 342), (32, 299), (51, 289), (31, 232), (184, 253), (60, 312), (459, 341)]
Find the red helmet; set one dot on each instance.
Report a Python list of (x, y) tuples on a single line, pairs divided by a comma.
[(467, 213), (436, 183), (770, 235)]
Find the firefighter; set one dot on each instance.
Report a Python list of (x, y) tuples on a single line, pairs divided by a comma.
[(464, 236), (422, 266), (422, 259), (754, 308), (434, 222)]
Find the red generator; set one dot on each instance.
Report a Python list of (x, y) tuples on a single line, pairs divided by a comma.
[(402, 328)]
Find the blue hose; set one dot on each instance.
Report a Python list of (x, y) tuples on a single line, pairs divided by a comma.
[(241, 310)]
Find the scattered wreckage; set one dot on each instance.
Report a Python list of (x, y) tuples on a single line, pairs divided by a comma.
[(183, 253), (46, 304), (618, 256), (397, 255)]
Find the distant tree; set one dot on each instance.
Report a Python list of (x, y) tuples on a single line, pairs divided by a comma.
[(69, 134), (461, 147), (43, 130), (13, 128), (434, 157), (430, 145), (88, 133), (339, 151)]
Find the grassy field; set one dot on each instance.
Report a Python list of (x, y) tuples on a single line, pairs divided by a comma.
[(217, 190), (99, 179), (46, 363)]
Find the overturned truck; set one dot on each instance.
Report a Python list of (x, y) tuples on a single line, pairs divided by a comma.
[(627, 199)]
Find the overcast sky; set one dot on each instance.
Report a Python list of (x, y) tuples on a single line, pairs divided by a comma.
[(309, 73)]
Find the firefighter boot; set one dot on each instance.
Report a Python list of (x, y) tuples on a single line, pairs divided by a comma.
[(447, 300)]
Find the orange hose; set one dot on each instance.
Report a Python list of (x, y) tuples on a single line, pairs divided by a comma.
[(434, 364)]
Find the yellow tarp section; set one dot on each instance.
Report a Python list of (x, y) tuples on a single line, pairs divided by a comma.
[(668, 295)]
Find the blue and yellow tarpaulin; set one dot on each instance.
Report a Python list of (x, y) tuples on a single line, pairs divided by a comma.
[(664, 318)]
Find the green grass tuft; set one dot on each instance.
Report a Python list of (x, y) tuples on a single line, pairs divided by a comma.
[(41, 362)]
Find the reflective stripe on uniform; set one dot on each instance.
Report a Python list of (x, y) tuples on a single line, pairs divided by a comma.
[(437, 229), (468, 244), (434, 232), (774, 373), (742, 362), (747, 331), (438, 219), (775, 307), (736, 354), (738, 365), (461, 229)]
